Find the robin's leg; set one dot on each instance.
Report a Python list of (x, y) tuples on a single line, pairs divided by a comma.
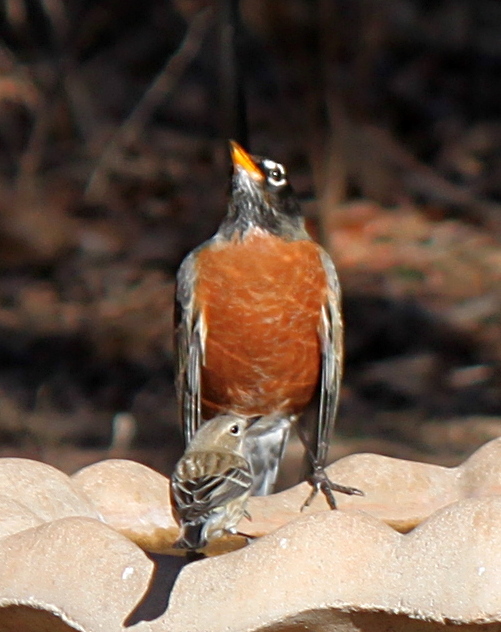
[(319, 480)]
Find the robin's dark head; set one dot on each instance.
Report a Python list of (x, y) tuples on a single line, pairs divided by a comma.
[(261, 197)]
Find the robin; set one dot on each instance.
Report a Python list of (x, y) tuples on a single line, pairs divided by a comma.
[(212, 482), (258, 324)]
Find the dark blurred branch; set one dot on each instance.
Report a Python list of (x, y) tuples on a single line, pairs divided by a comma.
[(64, 80), (160, 89), (30, 161), (55, 12), (327, 116), (232, 106)]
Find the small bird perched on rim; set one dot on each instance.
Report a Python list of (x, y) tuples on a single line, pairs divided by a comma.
[(212, 482), (258, 324)]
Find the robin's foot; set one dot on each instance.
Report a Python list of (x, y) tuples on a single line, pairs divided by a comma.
[(321, 482)]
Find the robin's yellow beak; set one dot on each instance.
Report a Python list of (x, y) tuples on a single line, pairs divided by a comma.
[(244, 160)]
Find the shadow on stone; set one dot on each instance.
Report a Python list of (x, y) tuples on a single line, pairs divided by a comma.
[(156, 599)]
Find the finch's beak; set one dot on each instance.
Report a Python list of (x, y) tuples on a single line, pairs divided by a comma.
[(245, 161)]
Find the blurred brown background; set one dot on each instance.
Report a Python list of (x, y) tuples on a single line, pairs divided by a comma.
[(113, 165)]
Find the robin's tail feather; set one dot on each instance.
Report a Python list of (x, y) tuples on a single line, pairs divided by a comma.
[(264, 447)]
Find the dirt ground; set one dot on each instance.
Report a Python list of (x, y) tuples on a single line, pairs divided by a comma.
[(114, 119)]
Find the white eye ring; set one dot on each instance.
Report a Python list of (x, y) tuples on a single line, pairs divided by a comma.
[(275, 173)]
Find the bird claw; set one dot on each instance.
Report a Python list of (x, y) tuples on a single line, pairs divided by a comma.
[(320, 482), (248, 537)]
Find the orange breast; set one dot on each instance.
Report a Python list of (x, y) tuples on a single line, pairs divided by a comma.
[(261, 299)]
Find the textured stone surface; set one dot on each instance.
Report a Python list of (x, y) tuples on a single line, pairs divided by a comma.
[(335, 562), (76, 568), (62, 568), (14, 517), (133, 499), (400, 493), (43, 490)]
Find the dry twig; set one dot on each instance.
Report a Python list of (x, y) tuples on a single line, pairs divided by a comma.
[(159, 90)]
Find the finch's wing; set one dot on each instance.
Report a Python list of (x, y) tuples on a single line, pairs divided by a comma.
[(197, 496), (189, 342), (331, 341)]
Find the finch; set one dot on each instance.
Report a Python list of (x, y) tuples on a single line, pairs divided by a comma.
[(212, 482)]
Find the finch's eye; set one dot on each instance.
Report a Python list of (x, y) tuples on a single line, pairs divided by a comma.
[(275, 174), (235, 429)]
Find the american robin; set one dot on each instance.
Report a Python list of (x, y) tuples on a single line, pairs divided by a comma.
[(259, 329), (212, 482)]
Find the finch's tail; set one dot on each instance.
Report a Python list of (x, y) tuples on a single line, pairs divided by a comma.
[(192, 537)]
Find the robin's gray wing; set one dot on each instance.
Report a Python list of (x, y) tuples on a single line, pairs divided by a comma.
[(190, 341), (331, 341), (197, 496)]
